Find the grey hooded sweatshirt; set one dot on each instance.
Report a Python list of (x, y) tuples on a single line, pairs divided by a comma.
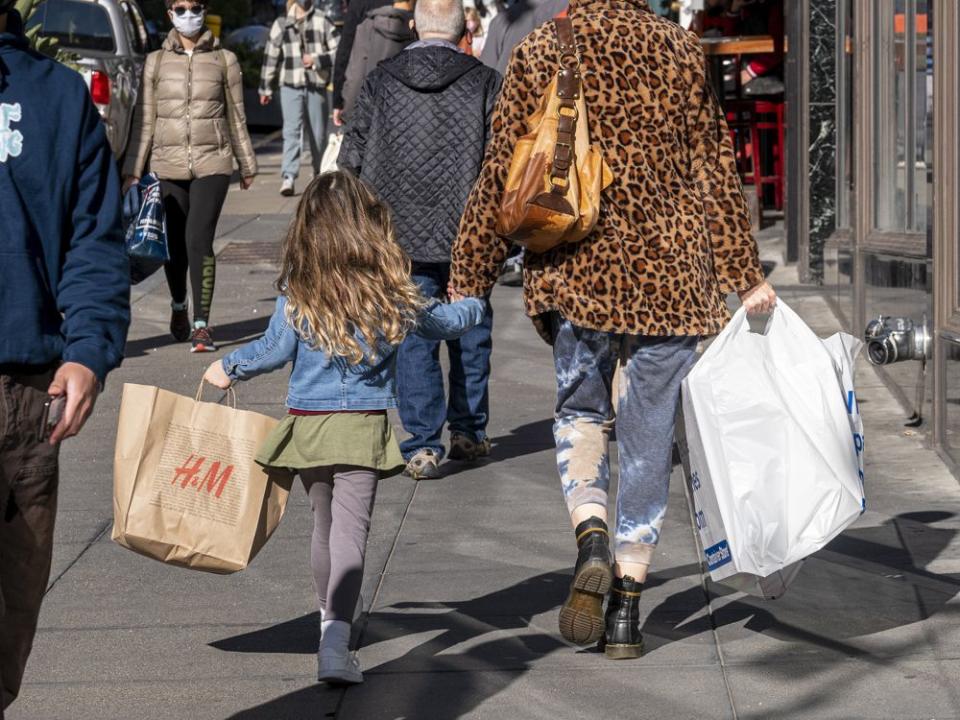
[(383, 33)]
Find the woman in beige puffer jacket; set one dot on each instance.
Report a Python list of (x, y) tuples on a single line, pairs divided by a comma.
[(191, 124)]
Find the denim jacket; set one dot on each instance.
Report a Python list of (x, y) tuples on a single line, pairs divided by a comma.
[(323, 383)]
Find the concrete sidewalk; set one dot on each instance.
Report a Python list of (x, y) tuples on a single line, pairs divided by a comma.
[(466, 574)]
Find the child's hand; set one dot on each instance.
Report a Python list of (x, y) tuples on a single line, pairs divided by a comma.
[(216, 376), (454, 294)]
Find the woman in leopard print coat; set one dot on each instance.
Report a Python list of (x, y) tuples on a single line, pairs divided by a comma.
[(672, 241)]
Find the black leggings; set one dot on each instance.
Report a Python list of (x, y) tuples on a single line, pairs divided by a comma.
[(193, 209)]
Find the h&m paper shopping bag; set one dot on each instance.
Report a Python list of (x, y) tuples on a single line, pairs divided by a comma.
[(187, 491)]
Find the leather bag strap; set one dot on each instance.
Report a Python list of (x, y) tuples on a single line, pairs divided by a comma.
[(569, 87)]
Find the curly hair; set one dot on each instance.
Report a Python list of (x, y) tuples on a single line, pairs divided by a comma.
[(346, 279)]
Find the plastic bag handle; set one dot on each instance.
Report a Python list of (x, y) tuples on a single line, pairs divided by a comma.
[(779, 319), (230, 393)]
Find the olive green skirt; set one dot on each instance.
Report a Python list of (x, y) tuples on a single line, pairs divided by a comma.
[(358, 439)]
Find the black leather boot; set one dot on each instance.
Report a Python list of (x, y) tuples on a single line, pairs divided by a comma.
[(581, 618), (622, 639)]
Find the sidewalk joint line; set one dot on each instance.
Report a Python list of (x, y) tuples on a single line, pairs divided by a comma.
[(100, 533), (376, 593), (704, 577)]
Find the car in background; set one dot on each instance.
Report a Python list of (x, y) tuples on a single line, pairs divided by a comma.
[(109, 41)]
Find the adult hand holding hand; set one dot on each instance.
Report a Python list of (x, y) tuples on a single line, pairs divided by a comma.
[(759, 299), (216, 376), (454, 294), (81, 387)]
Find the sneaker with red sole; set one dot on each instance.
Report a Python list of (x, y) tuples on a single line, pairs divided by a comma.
[(202, 340)]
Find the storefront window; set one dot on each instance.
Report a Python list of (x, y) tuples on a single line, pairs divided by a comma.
[(845, 114), (903, 116), (901, 286), (845, 286), (956, 174), (952, 374)]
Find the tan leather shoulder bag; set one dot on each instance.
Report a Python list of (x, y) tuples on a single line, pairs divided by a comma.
[(552, 194)]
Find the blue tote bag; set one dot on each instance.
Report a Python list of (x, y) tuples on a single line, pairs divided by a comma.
[(146, 224)]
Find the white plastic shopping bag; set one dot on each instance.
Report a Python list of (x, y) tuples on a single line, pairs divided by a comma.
[(775, 449), (330, 154)]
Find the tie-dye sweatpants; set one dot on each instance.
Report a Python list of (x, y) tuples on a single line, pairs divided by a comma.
[(649, 392)]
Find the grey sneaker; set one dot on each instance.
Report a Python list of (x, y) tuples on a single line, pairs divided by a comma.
[(425, 465), (338, 667), (287, 187), (464, 449), (512, 274)]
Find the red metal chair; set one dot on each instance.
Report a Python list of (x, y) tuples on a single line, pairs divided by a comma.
[(753, 124)]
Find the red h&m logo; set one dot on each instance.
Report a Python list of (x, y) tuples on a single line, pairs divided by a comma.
[(214, 480)]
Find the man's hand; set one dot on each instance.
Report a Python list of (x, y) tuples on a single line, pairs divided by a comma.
[(129, 182), (308, 61), (759, 299), (81, 387), (266, 99), (246, 183), (338, 117), (216, 376)]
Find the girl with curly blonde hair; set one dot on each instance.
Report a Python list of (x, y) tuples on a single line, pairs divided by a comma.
[(346, 303)]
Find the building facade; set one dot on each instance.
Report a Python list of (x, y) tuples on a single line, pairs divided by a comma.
[(874, 187)]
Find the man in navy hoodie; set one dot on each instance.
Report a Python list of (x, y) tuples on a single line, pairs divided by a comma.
[(64, 309)]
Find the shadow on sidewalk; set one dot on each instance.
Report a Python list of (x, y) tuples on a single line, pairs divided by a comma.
[(511, 609), (525, 440), (868, 581), (865, 582), (452, 672), (227, 335)]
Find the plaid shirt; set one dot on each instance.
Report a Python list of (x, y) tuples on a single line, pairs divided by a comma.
[(289, 41)]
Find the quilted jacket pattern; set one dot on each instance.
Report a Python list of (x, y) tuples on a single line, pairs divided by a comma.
[(417, 134)]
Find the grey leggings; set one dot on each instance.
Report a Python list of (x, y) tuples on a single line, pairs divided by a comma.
[(342, 500)]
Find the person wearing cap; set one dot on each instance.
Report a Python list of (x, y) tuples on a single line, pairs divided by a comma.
[(64, 310)]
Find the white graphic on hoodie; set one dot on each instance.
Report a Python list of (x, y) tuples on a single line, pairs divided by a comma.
[(11, 141)]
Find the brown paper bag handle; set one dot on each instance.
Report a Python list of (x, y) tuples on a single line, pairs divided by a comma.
[(231, 393)]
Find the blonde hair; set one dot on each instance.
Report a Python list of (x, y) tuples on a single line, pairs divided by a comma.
[(343, 273), (471, 13)]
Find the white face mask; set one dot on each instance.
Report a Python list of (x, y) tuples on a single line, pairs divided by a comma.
[(188, 24)]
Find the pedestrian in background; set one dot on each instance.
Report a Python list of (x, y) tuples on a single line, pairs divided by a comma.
[(384, 32), (356, 13), (346, 303), (64, 310), (299, 53), (475, 31), (417, 135), (190, 122), (672, 240), (512, 24)]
